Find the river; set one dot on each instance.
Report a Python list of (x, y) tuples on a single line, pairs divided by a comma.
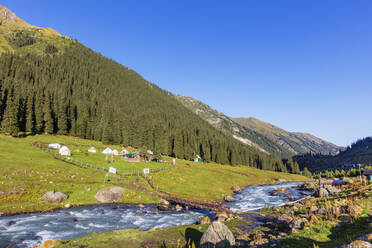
[(27, 230)]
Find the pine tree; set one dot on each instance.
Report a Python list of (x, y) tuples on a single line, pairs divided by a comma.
[(10, 121), (48, 119), (62, 118), (30, 113)]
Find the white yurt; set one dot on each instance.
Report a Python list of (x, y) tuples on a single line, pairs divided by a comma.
[(92, 149), (65, 151), (115, 152), (107, 151), (54, 146)]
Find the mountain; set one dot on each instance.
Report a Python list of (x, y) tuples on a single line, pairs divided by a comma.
[(233, 128), (359, 152), (53, 84), (18, 36), (264, 136), (294, 142)]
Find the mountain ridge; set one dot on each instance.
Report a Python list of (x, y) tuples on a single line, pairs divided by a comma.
[(260, 134)]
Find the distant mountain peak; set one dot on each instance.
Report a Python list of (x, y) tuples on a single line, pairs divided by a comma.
[(7, 16), (19, 36)]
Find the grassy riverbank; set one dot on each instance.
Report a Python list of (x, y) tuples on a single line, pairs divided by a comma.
[(28, 172)]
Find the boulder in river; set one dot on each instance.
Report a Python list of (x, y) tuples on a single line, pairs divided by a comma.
[(52, 196), (229, 198), (309, 186), (217, 235), (110, 195), (236, 189), (163, 205)]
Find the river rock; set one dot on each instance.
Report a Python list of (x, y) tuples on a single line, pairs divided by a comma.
[(67, 206), (322, 193), (309, 186), (357, 244), (331, 189), (141, 205), (178, 208), (346, 180), (236, 189), (217, 235), (313, 208), (297, 224), (109, 195), (52, 196), (229, 198), (163, 205), (221, 216)]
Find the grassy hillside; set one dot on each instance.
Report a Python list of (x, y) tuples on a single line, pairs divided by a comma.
[(32, 172), (358, 152), (18, 36), (293, 142)]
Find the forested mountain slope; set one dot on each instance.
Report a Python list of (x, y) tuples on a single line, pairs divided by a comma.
[(73, 90), (294, 142), (232, 128), (358, 152)]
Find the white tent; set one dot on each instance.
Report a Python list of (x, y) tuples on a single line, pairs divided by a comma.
[(65, 151), (115, 152), (92, 149), (54, 146), (107, 151), (123, 152)]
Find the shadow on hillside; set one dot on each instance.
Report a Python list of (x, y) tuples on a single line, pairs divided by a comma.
[(341, 234)]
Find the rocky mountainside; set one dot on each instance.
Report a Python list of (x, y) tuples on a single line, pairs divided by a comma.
[(259, 134), (295, 142), (231, 127)]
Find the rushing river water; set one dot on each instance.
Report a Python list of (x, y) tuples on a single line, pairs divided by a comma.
[(256, 197), (27, 230)]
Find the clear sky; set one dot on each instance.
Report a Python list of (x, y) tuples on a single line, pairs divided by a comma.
[(301, 65)]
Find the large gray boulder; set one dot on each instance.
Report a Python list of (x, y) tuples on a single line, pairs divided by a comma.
[(322, 193), (52, 196), (331, 189), (217, 235), (110, 195)]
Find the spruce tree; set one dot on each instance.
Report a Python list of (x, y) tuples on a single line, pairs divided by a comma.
[(10, 121), (48, 119), (30, 115)]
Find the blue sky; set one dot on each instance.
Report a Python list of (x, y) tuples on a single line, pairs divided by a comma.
[(301, 65)]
